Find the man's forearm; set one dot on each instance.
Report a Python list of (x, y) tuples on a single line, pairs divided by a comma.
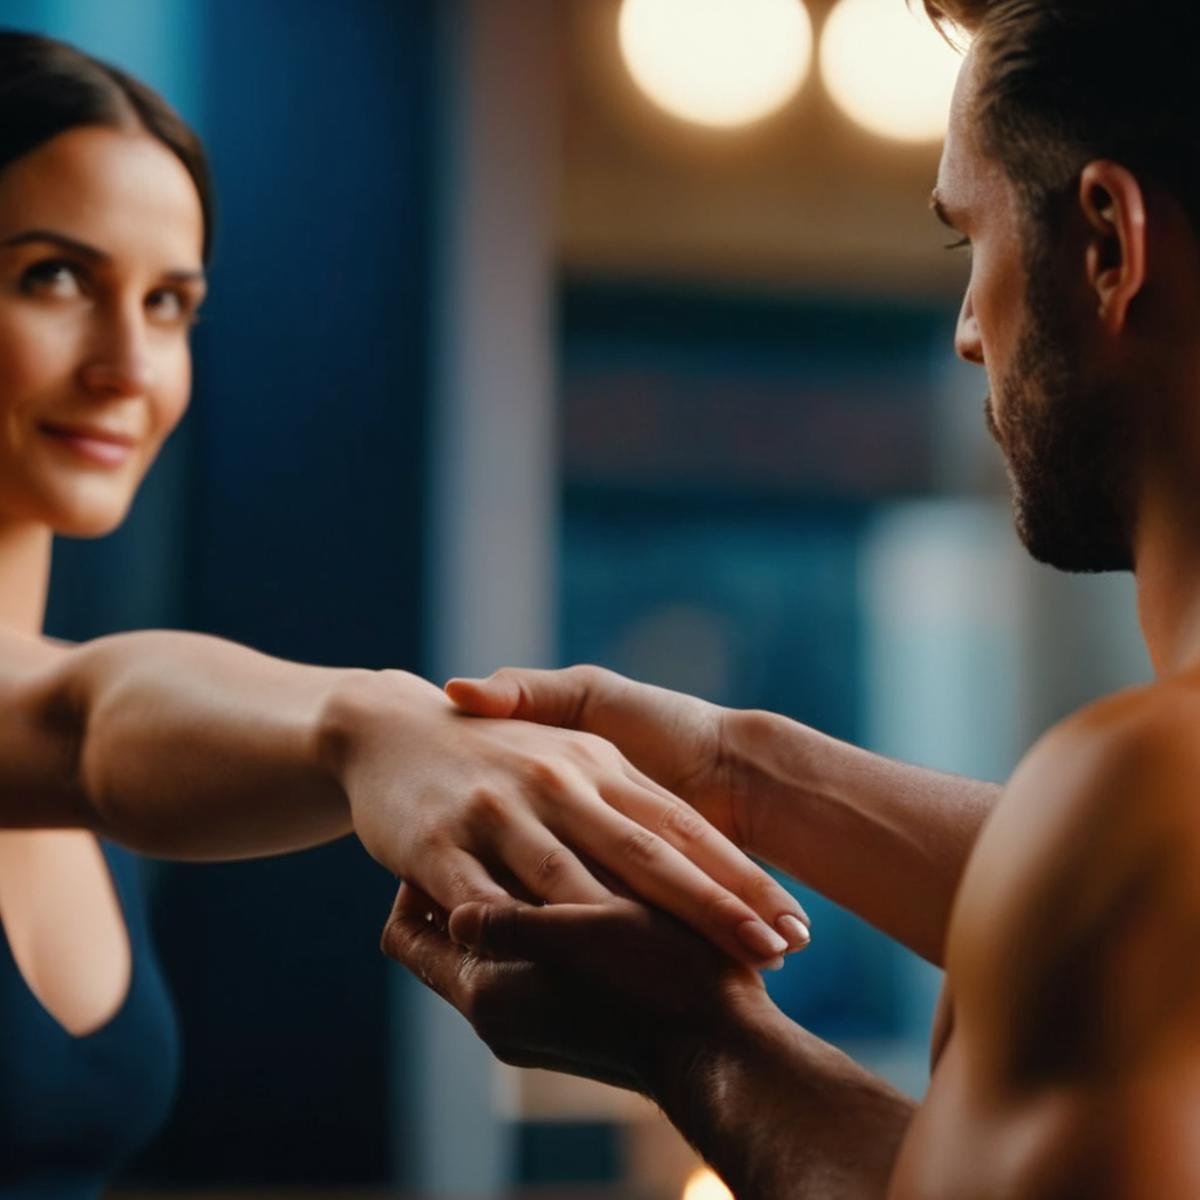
[(782, 1115), (887, 840), (189, 746)]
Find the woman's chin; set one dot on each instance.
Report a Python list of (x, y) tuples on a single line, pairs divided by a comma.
[(87, 525)]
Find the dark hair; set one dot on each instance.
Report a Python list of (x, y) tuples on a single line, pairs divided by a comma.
[(1064, 82), (48, 88)]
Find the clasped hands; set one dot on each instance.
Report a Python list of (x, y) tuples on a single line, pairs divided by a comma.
[(594, 971)]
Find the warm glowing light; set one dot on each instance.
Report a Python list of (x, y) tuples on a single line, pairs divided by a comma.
[(723, 63), (889, 69), (704, 1185)]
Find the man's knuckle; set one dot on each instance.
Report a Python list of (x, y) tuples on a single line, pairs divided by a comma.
[(391, 939)]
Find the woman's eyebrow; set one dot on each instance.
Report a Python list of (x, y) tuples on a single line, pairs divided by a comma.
[(57, 239), (92, 253)]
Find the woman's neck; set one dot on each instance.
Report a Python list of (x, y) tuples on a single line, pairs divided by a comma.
[(24, 576)]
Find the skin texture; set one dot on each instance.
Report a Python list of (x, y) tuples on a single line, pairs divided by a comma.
[(1066, 1051), (189, 747)]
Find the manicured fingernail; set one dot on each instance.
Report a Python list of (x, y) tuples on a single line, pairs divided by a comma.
[(760, 939), (776, 964), (794, 930)]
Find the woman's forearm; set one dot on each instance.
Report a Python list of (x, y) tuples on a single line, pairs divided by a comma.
[(187, 746), (885, 839)]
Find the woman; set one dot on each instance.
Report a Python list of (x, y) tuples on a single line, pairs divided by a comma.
[(189, 747)]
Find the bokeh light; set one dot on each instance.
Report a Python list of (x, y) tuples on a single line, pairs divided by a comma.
[(889, 69), (722, 63), (705, 1185)]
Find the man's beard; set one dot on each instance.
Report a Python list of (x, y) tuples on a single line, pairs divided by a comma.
[(1070, 444)]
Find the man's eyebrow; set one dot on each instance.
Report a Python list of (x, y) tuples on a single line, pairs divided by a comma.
[(91, 253)]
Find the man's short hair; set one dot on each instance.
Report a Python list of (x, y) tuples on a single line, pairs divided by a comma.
[(1065, 82)]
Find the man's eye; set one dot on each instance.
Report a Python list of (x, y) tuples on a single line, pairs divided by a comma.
[(56, 278), (960, 244)]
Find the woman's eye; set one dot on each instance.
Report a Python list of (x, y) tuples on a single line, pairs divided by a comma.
[(55, 278), (169, 307)]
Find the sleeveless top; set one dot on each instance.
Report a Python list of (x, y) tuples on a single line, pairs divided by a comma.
[(73, 1109)]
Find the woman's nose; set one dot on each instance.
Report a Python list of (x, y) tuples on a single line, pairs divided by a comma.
[(119, 362)]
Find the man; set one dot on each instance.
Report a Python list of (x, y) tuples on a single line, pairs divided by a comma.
[(1066, 908)]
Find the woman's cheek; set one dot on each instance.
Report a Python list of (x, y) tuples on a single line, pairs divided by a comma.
[(32, 354)]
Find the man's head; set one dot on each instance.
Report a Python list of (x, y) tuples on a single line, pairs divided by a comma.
[(1072, 165)]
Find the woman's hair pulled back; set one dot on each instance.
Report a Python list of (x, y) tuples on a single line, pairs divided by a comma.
[(48, 87)]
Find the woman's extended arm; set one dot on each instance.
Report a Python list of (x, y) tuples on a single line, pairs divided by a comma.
[(887, 840), (186, 746)]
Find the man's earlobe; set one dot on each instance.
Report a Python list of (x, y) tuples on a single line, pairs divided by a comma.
[(1114, 209)]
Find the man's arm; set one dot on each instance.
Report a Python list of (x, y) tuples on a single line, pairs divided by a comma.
[(188, 746), (624, 995), (887, 840), (1074, 1069)]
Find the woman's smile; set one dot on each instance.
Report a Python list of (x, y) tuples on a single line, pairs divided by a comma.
[(92, 444)]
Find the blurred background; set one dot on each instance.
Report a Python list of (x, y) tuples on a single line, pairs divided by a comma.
[(542, 332)]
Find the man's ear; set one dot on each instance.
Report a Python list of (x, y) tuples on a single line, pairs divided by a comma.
[(1114, 208)]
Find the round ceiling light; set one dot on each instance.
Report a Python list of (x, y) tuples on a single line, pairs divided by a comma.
[(721, 63), (889, 69)]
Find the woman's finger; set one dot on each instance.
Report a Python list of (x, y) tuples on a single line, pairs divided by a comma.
[(544, 865), (651, 805), (661, 875), (451, 877)]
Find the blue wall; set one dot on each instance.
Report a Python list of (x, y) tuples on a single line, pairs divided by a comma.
[(286, 515)]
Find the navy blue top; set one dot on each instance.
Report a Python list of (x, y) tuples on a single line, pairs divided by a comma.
[(73, 1109)]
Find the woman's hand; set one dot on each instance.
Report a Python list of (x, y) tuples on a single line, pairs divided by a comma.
[(675, 739), (481, 810)]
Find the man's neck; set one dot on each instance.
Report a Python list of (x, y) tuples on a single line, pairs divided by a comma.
[(24, 575), (1168, 577)]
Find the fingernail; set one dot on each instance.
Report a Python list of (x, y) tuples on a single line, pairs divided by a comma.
[(761, 940), (776, 964), (794, 930)]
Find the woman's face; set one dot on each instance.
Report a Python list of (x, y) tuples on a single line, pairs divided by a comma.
[(101, 275)]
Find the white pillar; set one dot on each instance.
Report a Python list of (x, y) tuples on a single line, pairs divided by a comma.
[(493, 517)]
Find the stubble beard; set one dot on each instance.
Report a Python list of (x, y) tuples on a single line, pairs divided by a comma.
[(1069, 444)]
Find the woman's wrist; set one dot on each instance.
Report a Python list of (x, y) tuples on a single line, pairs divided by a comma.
[(356, 703)]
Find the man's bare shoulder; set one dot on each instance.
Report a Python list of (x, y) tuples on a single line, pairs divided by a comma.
[(1075, 923)]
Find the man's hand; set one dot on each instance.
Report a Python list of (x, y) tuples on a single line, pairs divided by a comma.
[(618, 993), (675, 739), (613, 991), (472, 809)]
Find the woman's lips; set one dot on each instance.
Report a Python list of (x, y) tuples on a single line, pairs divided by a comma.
[(98, 446)]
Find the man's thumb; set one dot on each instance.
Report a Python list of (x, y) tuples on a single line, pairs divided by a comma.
[(491, 697), (547, 697)]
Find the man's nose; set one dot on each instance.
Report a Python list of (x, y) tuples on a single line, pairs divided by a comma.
[(967, 343), (119, 362)]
